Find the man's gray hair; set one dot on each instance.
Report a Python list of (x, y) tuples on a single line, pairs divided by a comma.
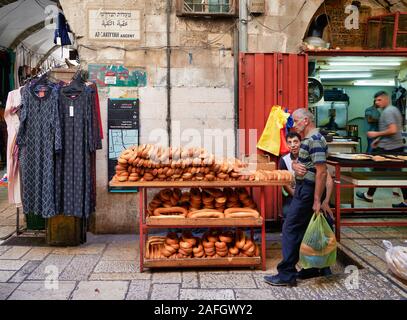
[(304, 113)]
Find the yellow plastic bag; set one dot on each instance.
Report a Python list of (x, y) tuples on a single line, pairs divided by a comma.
[(270, 139)]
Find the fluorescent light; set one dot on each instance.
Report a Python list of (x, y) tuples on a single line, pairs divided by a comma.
[(383, 64), (345, 70), (346, 76), (381, 83)]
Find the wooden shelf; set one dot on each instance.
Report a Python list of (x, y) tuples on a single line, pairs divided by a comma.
[(193, 223), (197, 184), (205, 262)]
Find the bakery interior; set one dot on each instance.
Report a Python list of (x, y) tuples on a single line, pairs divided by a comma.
[(341, 88)]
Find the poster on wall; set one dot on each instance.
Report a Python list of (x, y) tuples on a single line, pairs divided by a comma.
[(117, 76), (124, 130)]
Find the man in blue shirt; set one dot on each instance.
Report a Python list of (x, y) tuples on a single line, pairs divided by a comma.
[(311, 177)]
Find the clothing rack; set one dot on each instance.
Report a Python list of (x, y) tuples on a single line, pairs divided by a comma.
[(64, 74)]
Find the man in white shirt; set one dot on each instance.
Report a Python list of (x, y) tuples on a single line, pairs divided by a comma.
[(294, 144)]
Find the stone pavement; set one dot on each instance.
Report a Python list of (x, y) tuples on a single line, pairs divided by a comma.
[(107, 267)]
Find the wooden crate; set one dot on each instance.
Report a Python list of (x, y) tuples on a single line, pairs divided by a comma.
[(65, 231), (260, 162)]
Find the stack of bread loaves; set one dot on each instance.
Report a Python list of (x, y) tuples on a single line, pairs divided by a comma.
[(155, 163), (214, 244), (205, 203)]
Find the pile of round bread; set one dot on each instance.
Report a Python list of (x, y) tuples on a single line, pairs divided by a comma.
[(203, 203), (156, 163), (153, 247), (213, 244)]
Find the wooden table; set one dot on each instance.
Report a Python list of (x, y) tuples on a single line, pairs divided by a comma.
[(147, 223), (355, 179)]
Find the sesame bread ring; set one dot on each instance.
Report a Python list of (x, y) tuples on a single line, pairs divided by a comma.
[(208, 244), (165, 194), (249, 243), (175, 246), (170, 248), (251, 250), (240, 239), (172, 238), (222, 254), (185, 245), (226, 238), (185, 252), (199, 255), (198, 249), (165, 253), (122, 161), (170, 211), (190, 241), (220, 245), (213, 238)]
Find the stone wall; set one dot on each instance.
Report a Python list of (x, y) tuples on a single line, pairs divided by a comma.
[(202, 73), (282, 27)]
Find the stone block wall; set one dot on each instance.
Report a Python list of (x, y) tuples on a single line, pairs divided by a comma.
[(202, 78)]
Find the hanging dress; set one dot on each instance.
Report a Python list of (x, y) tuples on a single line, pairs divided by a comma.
[(81, 138), (39, 139), (13, 124)]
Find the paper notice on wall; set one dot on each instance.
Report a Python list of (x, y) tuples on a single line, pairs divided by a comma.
[(123, 93), (110, 80), (114, 24)]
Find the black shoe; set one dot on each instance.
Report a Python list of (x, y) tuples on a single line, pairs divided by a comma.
[(400, 205), (277, 281), (362, 196), (325, 272), (305, 274)]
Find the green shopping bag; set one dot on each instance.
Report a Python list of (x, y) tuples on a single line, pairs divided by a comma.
[(318, 247)]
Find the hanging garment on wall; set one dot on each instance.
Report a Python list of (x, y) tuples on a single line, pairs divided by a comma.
[(13, 124), (62, 31), (39, 139), (97, 108), (81, 138)]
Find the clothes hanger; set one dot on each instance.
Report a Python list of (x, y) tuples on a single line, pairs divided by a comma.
[(76, 86)]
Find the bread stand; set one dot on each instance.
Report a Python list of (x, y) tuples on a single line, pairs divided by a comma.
[(147, 223)]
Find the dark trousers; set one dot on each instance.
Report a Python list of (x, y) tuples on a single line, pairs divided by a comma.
[(295, 224), (379, 151)]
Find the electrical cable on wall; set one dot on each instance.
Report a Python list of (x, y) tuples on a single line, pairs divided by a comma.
[(255, 19), (329, 27), (153, 48)]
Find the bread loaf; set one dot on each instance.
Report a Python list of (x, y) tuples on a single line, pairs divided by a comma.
[(170, 211)]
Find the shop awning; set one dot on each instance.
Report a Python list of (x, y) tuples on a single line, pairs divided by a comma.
[(23, 22)]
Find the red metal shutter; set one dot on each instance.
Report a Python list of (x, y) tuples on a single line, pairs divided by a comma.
[(265, 80)]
